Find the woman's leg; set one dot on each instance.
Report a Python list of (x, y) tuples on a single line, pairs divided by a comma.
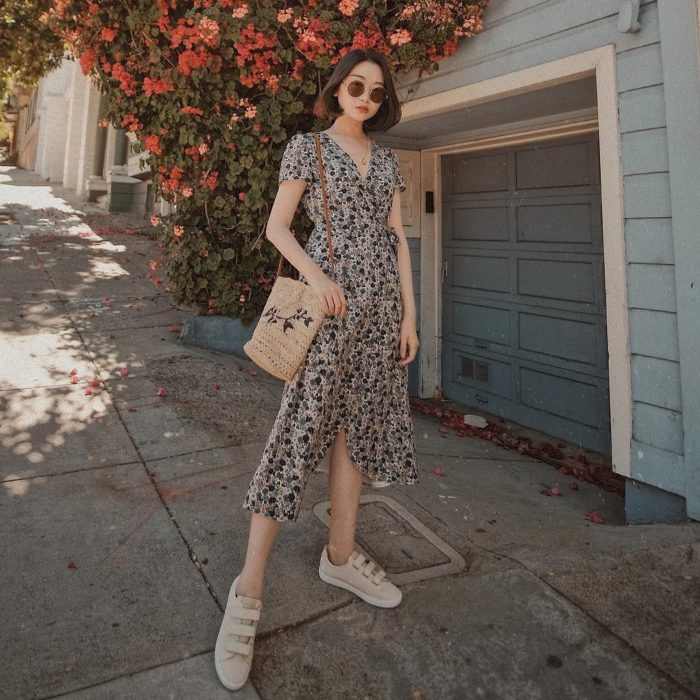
[(345, 481), (263, 533)]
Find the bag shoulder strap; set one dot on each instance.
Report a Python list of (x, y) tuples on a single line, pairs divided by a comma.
[(325, 201), (326, 213)]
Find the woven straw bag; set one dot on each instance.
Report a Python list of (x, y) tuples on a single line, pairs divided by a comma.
[(292, 315)]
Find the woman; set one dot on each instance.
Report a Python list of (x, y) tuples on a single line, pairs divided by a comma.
[(351, 392)]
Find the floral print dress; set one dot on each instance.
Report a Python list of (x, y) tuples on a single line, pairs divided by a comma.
[(350, 377)]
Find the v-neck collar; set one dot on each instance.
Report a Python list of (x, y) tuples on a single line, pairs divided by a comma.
[(352, 160)]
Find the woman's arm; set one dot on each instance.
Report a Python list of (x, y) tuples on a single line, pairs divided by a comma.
[(277, 231), (408, 340)]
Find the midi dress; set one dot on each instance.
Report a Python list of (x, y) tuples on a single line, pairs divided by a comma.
[(350, 376)]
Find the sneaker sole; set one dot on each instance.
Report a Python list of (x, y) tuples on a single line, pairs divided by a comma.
[(349, 587)]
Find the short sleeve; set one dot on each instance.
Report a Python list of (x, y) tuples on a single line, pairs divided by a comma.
[(396, 173), (296, 160)]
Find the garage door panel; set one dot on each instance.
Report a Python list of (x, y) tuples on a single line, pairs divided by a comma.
[(553, 166), (479, 223), (481, 324), (557, 339), (524, 334), (571, 399), (484, 173), (567, 227), (557, 279), (556, 223), (561, 338), (481, 273)]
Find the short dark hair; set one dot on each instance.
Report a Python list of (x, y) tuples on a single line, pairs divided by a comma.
[(388, 115)]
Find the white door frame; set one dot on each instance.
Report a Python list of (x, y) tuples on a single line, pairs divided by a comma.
[(601, 63)]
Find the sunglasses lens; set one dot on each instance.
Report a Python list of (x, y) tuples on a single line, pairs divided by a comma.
[(356, 88), (378, 95)]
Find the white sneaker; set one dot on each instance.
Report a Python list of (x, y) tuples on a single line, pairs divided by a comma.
[(233, 654), (360, 576), (375, 483)]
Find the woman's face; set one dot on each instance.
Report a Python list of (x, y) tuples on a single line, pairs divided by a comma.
[(360, 108)]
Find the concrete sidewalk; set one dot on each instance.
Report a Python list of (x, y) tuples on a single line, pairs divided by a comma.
[(122, 526)]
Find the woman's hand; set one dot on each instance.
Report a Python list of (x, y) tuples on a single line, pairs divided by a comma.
[(330, 294), (408, 344)]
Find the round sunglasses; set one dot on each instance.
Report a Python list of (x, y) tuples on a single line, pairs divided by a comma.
[(357, 88)]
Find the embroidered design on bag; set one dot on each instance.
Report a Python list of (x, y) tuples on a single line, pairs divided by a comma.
[(300, 315)]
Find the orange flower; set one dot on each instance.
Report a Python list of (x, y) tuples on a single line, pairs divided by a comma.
[(157, 87), (348, 7), (87, 60), (152, 143), (241, 10), (108, 34), (400, 37), (209, 31), (211, 181), (126, 80)]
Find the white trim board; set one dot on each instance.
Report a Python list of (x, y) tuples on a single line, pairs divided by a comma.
[(601, 63)]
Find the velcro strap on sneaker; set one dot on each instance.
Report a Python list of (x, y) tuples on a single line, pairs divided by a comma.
[(238, 611), (236, 647), (243, 630), (368, 568)]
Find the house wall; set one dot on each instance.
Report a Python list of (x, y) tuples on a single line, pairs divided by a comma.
[(52, 123), (521, 34), (680, 56)]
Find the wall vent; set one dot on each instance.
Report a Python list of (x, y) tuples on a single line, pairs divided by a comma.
[(473, 369)]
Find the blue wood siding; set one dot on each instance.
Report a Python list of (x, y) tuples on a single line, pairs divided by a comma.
[(678, 26)]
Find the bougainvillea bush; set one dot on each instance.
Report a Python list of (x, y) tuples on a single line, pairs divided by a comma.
[(213, 89)]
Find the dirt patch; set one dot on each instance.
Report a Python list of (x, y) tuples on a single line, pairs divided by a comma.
[(219, 395)]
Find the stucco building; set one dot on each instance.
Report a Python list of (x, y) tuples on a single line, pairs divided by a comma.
[(58, 135)]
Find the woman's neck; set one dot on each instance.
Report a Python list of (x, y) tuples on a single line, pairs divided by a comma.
[(349, 128)]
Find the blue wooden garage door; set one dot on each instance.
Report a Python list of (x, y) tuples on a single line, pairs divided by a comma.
[(524, 333)]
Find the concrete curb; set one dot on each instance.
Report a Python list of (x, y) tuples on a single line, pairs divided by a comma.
[(220, 333)]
